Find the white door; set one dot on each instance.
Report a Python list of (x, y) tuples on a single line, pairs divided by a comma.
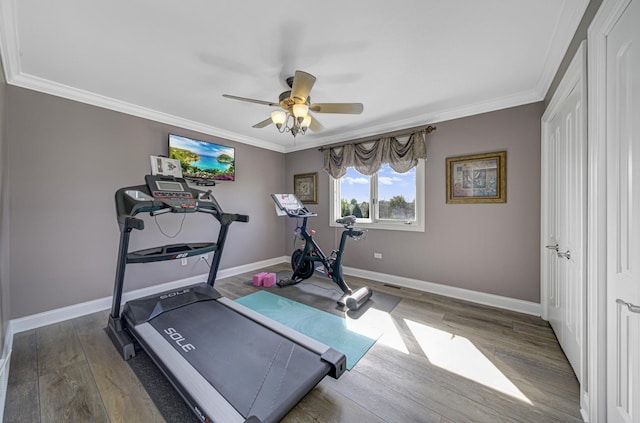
[(623, 216), (564, 204)]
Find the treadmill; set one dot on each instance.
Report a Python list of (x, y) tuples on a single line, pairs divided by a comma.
[(229, 363)]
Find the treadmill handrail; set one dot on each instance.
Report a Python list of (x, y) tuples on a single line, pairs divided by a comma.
[(136, 199), (127, 206)]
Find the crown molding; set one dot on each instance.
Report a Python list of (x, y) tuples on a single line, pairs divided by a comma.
[(87, 97), (559, 45), (60, 90), (492, 105), (9, 49)]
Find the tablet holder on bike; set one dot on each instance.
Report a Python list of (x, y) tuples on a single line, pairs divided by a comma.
[(303, 260)]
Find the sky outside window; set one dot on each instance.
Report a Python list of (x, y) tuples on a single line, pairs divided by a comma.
[(390, 184)]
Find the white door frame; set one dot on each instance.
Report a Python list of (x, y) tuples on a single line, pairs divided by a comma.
[(575, 74), (602, 23), (574, 78)]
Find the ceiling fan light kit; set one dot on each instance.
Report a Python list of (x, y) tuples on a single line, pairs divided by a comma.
[(296, 105), (281, 120)]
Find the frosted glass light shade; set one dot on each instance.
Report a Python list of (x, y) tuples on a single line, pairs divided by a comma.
[(278, 117), (300, 110)]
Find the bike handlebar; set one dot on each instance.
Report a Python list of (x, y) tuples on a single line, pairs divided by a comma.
[(300, 213)]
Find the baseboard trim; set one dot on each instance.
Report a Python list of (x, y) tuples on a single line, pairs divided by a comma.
[(513, 304), (584, 407), (71, 312), (65, 313)]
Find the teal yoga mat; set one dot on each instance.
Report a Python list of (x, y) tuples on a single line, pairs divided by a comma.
[(317, 324)]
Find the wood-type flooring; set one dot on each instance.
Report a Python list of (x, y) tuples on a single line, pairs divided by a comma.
[(440, 360)]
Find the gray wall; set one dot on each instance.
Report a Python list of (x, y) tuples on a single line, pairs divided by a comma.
[(491, 248), (4, 216), (67, 159)]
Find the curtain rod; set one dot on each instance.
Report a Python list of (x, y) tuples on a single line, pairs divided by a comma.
[(428, 129)]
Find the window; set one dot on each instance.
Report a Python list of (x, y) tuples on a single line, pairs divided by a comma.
[(386, 200)]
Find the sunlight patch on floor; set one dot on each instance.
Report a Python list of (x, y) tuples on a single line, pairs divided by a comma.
[(372, 323), (458, 355)]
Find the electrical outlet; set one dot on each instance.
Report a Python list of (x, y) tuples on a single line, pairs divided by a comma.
[(183, 261), (377, 255)]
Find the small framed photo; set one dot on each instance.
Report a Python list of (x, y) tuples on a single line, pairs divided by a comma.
[(480, 178), (305, 187)]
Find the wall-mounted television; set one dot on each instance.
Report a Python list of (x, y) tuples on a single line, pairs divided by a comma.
[(202, 160)]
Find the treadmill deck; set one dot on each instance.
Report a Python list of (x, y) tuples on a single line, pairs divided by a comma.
[(226, 364)]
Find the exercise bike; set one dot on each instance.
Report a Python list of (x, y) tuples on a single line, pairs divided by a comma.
[(303, 260)]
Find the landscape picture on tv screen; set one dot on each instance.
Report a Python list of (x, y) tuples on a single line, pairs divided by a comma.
[(203, 160)]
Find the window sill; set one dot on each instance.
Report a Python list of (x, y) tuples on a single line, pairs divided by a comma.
[(405, 227)]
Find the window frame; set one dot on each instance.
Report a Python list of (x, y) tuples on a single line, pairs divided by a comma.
[(374, 222)]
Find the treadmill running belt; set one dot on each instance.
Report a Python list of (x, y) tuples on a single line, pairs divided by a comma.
[(259, 372)]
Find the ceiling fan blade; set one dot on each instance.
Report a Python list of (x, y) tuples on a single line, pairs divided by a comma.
[(251, 100), (262, 124), (315, 126), (347, 108), (302, 84)]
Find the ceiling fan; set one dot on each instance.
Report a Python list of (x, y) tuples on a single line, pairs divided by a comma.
[(296, 104)]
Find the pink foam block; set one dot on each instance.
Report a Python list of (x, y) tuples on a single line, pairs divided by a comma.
[(258, 279), (269, 280)]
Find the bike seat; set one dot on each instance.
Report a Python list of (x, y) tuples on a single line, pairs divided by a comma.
[(347, 220)]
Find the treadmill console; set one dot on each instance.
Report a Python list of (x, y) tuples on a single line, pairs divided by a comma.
[(174, 192)]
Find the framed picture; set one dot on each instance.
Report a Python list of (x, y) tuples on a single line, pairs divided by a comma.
[(481, 178), (305, 187)]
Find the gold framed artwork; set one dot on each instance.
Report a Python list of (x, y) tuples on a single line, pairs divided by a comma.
[(305, 187), (479, 178)]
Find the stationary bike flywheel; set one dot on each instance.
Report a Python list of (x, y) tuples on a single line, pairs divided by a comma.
[(307, 268)]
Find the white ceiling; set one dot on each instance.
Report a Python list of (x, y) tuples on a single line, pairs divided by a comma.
[(410, 62)]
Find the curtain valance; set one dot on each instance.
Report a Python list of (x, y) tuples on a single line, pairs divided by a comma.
[(367, 157)]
